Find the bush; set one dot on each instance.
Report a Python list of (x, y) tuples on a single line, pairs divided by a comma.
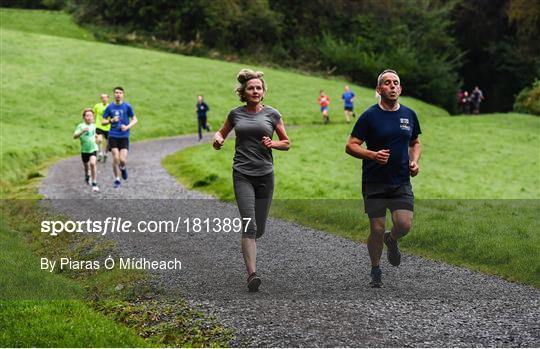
[(528, 100)]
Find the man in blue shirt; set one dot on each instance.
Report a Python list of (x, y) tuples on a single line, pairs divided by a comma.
[(348, 101), (122, 118), (390, 131)]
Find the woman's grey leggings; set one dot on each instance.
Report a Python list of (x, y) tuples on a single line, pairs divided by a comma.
[(253, 196)]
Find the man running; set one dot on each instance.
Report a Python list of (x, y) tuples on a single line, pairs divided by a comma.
[(348, 101), (102, 131), (390, 131), (121, 117), (201, 108), (476, 98)]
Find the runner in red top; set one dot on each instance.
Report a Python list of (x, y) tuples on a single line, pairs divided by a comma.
[(324, 100)]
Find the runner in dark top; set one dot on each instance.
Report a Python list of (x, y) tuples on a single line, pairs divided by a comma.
[(201, 108), (390, 131), (253, 169)]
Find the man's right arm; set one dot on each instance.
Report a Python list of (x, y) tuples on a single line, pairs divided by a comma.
[(354, 148)]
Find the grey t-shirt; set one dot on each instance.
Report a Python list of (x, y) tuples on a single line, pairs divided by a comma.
[(251, 157)]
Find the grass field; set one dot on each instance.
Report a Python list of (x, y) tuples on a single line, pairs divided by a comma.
[(47, 81)]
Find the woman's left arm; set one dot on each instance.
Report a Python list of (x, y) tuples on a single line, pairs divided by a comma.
[(283, 143)]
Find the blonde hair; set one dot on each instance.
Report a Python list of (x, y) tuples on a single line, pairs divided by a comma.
[(86, 110), (243, 77)]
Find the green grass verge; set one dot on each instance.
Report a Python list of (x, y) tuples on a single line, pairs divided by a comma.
[(60, 323), (43, 309), (470, 168)]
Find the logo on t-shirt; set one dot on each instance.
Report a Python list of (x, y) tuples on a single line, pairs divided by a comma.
[(404, 124)]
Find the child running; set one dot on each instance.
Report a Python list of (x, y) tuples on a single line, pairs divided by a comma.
[(86, 132), (324, 101)]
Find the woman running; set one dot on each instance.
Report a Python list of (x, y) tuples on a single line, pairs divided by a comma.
[(253, 168)]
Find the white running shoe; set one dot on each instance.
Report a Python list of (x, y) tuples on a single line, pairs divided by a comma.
[(95, 188)]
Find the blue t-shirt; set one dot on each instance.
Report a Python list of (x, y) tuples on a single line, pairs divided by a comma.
[(392, 130), (347, 98), (202, 108), (125, 112)]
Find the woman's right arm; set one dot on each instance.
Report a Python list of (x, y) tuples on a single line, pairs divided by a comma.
[(219, 137)]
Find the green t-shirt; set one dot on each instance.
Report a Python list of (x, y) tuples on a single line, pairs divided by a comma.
[(98, 112), (88, 139)]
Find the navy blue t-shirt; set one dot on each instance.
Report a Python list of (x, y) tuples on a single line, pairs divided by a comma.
[(392, 130), (202, 109)]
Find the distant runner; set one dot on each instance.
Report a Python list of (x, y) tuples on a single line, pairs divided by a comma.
[(102, 131), (348, 101), (121, 117), (324, 101), (390, 131), (86, 133), (201, 108)]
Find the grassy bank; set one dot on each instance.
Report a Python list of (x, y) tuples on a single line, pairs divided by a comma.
[(47, 80), (477, 192)]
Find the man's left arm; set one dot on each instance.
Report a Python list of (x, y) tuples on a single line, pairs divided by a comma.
[(132, 123), (415, 150)]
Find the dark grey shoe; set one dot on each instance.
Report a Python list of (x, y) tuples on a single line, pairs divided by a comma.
[(392, 250), (376, 278), (253, 282)]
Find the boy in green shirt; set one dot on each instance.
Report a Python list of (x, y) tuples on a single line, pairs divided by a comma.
[(86, 132)]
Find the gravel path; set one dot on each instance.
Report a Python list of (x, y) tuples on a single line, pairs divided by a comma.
[(314, 291)]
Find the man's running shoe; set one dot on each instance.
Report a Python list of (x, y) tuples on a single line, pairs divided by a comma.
[(87, 179), (104, 158), (100, 157), (392, 250), (376, 278), (117, 183), (124, 172), (95, 188), (253, 283)]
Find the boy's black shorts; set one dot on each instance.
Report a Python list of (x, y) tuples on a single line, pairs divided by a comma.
[(86, 156)]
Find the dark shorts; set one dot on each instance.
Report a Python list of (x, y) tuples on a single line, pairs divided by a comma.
[(349, 108), (379, 196), (102, 132), (86, 156), (325, 108), (119, 143)]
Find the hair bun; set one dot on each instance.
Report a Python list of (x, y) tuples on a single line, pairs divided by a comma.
[(247, 74)]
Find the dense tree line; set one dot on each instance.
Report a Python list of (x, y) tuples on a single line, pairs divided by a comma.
[(437, 46)]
